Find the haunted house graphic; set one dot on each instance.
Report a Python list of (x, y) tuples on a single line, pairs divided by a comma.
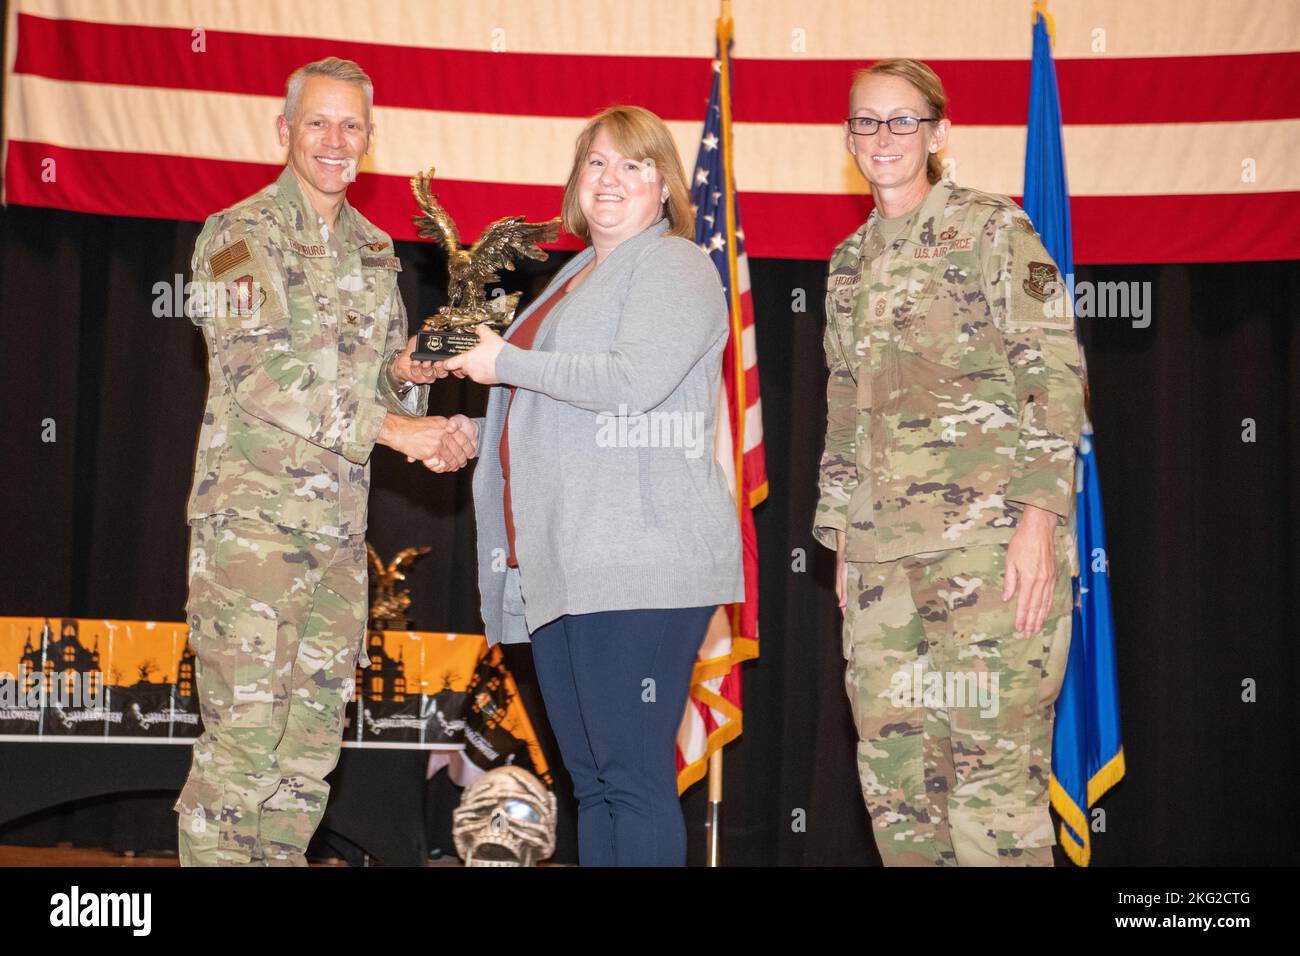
[(84, 693), (385, 679), (390, 709), (61, 659), (159, 708), (488, 743), (138, 679), (446, 709), (67, 674)]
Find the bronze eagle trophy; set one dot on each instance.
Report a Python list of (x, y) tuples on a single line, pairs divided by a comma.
[(388, 605), (451, 331)]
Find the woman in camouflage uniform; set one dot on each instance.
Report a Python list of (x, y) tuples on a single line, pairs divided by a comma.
[(954, 405)]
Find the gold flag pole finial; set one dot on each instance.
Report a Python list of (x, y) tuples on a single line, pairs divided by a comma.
[(1040, 6)]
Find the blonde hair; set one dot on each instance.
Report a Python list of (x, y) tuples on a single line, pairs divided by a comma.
[(638, 134), (926, 82), (334, 68)]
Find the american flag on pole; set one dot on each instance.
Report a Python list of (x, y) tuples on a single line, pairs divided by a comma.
[(713, 712)]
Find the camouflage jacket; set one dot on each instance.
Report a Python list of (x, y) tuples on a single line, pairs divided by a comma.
[(301, 326), (955, 394)]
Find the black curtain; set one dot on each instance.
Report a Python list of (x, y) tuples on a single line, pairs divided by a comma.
[(1202, 529)]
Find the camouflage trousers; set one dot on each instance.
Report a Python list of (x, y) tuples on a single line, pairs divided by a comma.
[(277, 619), (953, 708)]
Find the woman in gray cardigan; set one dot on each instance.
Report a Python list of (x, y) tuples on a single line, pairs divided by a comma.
[(607, 533)]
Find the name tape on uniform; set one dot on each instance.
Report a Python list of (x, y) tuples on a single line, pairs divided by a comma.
[(314, 250)]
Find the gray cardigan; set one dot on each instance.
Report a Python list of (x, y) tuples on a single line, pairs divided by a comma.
[(618, 502)]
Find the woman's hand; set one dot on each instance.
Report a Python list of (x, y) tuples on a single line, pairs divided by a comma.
[(1031, 569), (480, 362), (841, 571)]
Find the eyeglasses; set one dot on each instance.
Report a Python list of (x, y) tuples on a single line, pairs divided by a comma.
[(898, 125)]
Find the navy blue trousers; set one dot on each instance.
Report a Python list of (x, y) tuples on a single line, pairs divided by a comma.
[(615, 685)]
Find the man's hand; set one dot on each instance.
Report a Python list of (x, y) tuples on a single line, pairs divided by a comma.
[(421, 439), (466, 432), (480, 362), (841, 572), (421, 373), (1031, 569)]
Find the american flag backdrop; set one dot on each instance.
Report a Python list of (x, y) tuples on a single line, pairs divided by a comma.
[(714, 710), (1180, 116)]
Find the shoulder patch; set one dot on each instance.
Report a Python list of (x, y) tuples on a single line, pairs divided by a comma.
[(1042, 280), (1024, 223), (229, 257), (244, 296)]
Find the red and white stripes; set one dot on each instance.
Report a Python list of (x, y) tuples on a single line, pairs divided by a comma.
[(1181, 116)]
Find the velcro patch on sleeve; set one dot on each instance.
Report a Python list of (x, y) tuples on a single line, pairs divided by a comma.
[(228, 258), (244, 296), (1042, 282)]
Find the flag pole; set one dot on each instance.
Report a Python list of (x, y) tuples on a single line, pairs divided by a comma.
[(713, 819), (712, 823)]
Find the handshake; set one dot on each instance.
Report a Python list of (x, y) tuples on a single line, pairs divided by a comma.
[(442, 444)]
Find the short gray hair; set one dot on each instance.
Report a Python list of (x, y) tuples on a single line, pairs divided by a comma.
[(334, 68)]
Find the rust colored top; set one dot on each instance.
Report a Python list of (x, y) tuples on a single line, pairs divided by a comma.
[(524, 340)]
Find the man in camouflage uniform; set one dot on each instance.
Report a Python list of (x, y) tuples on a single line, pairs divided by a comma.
[(296, 293), (954, 405)]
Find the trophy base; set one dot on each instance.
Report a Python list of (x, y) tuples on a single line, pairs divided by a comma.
[(435, 346)]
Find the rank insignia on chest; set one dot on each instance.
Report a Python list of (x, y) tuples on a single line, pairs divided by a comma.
[(244, 296), (1042, 282)]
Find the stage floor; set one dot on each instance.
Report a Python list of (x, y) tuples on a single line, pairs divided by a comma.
[(87, 857)]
